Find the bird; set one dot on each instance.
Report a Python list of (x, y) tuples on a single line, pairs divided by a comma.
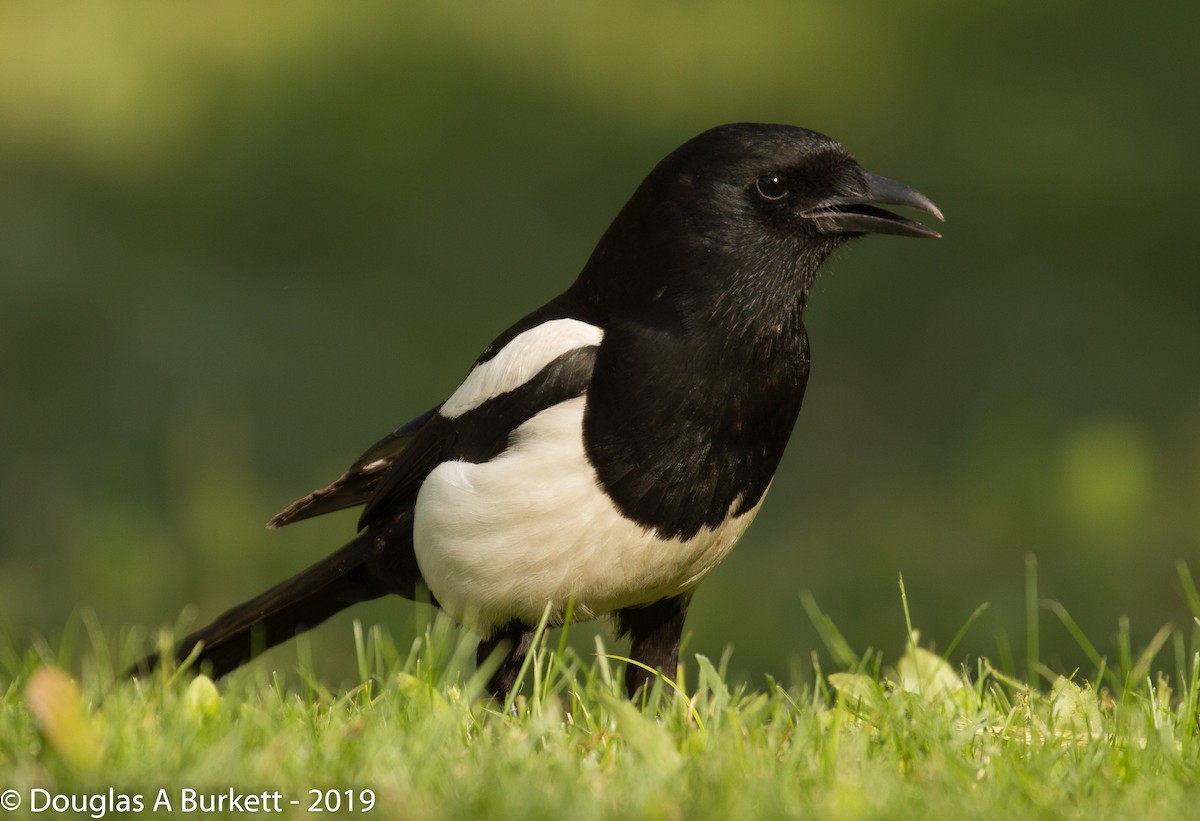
[(604, 453)]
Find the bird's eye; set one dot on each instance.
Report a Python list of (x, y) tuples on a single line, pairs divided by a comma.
[(771, 187)]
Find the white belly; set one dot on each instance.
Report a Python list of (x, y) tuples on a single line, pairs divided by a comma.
[(498, 541)]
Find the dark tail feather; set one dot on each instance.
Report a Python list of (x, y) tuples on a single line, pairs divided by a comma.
[(302, 602)]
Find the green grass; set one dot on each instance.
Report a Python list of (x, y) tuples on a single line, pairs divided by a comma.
[(415, 738)]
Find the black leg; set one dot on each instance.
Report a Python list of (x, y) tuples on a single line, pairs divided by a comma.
[(517, 638), (656, 630)]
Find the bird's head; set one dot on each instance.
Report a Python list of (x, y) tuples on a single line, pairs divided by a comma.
[(746, 210)]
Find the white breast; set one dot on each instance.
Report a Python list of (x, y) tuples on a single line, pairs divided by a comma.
[(499, 540)]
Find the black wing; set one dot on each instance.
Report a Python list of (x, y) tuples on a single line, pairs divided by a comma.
[(481, 433), (390, 472), (359, 482)]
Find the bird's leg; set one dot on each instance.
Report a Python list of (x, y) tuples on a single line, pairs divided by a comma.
[(656, 630), (516, 637)]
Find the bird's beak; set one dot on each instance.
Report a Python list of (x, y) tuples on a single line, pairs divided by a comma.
[(859, 213)]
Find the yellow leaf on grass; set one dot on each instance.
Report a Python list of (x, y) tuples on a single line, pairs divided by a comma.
[(1074, 709), (927, 674), (202, 698), (856, 690), (57, 706)]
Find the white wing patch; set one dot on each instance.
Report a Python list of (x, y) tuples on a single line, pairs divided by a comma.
[(526, 354), (499, 540)]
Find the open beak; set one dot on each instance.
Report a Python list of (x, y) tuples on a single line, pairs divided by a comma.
[(861, 214)]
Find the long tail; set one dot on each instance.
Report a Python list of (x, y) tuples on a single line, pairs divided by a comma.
[(348, 576)]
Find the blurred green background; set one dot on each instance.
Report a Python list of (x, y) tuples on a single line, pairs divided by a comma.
[(239, 242)]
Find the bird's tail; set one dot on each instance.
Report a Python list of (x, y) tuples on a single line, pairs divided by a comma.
[(339, 580)]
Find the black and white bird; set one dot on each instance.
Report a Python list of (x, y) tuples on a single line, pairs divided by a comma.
[(611, 447)]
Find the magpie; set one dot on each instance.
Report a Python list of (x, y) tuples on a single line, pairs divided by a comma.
[(607, 450)]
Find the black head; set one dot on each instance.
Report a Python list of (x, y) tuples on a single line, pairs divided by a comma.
[(743, 211)]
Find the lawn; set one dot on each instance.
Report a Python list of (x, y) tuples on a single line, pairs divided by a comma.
[(415, 737)]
